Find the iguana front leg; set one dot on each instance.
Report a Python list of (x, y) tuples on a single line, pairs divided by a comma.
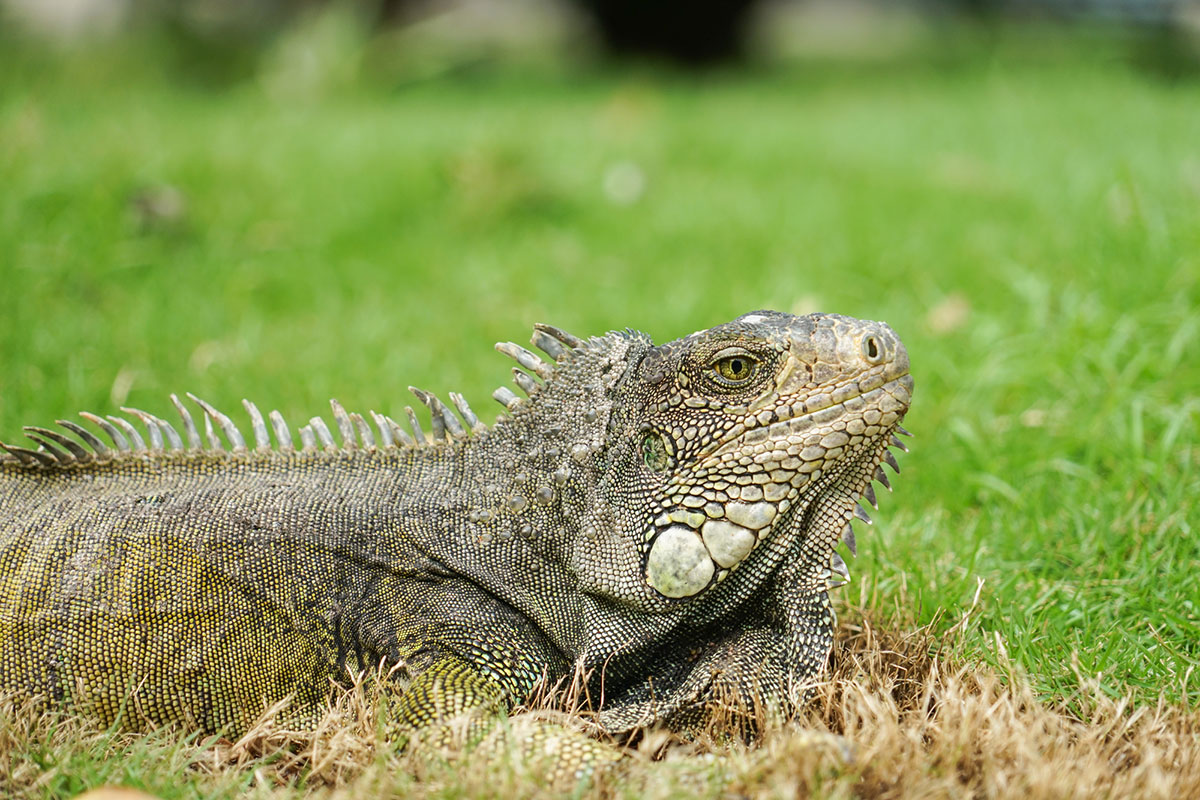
[(449, 703), (453, 704), (469, 661)]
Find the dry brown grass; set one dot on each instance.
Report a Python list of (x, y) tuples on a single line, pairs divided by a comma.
[(923, 725), (899, 717)]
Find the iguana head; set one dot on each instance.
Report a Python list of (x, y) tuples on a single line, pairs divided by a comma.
[(742, 422), (728, 448)]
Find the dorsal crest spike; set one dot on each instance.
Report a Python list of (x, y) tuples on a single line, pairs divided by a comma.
[(77, 451), (308, 442), (526, 359), (507, 398), (189, 425), (282, 434), (525, 382), (262, 439), (152, 430), (415, 424), (399, 435), (548, 344), (464, 410), (364, 431), (136, 443), (61, 457), (568, 339), (214, 442), (386, 440), (236, 442), (170, 434), (14, 453), (29, 457), (101, 451), (118, 439), (445, 424), (454, 428), (345, 425), (322, 431), (436, 424)]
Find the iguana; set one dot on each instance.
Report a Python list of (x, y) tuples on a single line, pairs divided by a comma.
[(659, 519)]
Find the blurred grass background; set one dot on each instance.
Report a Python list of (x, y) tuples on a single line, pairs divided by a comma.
[(338, 211)]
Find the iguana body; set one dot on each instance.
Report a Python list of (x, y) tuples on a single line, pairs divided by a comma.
[(660, 519)]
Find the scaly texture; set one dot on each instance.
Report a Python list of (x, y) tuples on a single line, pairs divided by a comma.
[(658, 522)]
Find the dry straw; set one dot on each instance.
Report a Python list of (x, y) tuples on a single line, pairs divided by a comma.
[(898, 717)]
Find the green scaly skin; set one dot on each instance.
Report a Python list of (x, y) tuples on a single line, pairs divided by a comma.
[(660, 519)]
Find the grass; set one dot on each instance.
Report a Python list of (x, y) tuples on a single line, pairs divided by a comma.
[(898, 717), (1027, 218)]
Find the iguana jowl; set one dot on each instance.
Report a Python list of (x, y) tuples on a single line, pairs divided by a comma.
[(663, 518)]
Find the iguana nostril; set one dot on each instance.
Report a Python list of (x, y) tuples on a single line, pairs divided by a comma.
[(872, 350)]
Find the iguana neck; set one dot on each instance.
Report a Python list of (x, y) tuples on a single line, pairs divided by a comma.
[(516, 507)]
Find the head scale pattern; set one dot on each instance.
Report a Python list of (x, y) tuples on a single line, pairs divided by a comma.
[(743, 428)]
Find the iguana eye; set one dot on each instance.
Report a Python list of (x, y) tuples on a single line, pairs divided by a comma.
[(735, 369)]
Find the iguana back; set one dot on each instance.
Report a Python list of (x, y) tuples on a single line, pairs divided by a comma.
[(662, 519)]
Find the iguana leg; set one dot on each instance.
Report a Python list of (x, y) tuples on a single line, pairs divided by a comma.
[(449, 703), (453, 704), (563, 756)]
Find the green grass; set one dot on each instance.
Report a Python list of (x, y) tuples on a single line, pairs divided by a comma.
[(1031, 228)]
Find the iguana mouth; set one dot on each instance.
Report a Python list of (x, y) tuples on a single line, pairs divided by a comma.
[(713, 524)]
